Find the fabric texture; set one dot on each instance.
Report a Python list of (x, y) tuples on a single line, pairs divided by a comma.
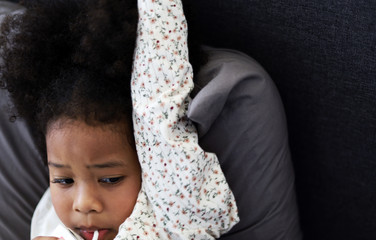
[(23, 177), (184, 193), (45, 219), (240, 117), (322, 56)]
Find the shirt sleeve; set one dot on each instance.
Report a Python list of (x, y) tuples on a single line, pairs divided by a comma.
[(184, 193)]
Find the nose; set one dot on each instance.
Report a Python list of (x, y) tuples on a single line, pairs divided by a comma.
[(87, 200)]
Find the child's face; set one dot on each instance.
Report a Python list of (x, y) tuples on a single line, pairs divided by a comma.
[(95, 177)]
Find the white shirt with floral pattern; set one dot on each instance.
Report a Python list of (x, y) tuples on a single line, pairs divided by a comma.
[(184, 192)]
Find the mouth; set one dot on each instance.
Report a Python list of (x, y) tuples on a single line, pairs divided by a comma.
[(88, 233)]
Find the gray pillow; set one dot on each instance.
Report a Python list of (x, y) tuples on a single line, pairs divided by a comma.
[(240, 117), (23, 178)]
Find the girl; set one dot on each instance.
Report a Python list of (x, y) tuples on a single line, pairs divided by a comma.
[(67, 68)]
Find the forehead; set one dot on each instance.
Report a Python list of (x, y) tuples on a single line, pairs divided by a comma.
[(66, 124), (75, 139)]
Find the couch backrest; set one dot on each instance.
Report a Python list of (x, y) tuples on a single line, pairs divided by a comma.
[(322, 56)]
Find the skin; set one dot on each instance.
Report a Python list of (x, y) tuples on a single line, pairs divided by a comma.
[(95, 175)]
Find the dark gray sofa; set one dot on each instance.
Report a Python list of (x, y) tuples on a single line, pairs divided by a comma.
[(322, 57)]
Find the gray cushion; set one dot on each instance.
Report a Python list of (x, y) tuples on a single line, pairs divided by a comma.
[(240, 117), (23, 178)]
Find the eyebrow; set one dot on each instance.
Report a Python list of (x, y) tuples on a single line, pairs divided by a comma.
[(101, 165), (57, 165), (107, 165)]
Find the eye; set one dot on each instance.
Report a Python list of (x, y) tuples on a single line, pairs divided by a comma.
[(63, 181), (111, 180)]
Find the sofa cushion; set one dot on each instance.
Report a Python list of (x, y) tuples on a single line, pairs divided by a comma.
[(240, 117)]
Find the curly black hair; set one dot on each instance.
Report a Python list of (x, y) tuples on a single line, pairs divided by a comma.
[(72, 59)]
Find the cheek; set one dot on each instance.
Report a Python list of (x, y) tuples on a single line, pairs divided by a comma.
[(62, 204), (123, 202)]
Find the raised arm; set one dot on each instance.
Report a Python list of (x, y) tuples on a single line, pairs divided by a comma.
[(183, 186)]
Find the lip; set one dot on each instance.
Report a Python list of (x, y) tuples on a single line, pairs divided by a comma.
[(88, 233)]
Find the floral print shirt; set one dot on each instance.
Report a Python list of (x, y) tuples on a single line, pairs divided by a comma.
[(184, 193)]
